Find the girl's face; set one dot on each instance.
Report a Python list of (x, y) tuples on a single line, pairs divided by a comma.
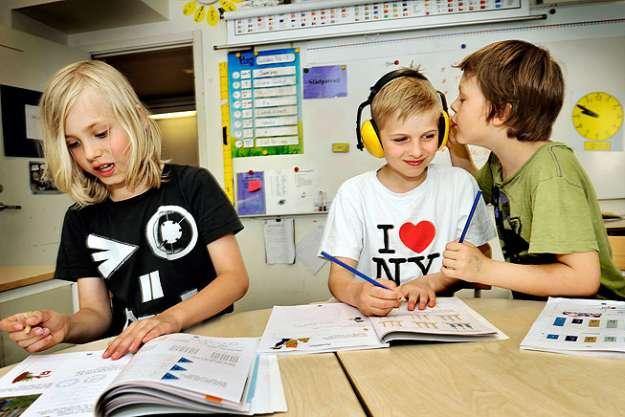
[(97, 143)]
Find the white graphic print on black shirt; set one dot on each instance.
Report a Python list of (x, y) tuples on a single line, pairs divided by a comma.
[(150, 249)]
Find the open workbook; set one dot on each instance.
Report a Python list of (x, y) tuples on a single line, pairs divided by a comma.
[(176, 373), (330, 327), (578, 326)]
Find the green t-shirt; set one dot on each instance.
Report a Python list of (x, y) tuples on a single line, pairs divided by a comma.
[(549, 207)]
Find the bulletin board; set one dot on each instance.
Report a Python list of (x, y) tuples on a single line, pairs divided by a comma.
[(586, 40), (20, 122)]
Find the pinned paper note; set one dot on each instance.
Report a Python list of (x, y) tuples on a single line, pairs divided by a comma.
[(325, 81), (250, 193), (279, 241)]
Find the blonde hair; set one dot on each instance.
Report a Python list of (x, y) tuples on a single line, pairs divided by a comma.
[(407, 95), (144, 163)]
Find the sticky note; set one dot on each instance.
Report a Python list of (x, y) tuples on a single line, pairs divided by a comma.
[(340, 147)]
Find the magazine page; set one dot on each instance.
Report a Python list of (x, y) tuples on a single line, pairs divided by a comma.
[(578, 326), (63, 384), (196, 367), (266, 397), (315, 328), (450, 320)]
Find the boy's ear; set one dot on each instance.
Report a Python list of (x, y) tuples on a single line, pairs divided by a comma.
[(502, 116)]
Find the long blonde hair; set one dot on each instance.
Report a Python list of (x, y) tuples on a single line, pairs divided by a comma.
[(144, 163)]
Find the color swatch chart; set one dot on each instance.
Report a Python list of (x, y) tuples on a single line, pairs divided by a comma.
[(383, 11), (579, 325)]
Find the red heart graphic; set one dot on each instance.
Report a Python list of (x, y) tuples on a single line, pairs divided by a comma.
[(417, 237)]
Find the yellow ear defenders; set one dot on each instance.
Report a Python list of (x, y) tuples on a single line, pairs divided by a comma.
[(367, 134)]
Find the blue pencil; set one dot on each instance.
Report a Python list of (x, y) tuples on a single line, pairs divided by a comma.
[(353, 270), (471, 213)]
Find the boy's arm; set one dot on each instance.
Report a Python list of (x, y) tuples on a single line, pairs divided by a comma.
[(461, 157), (575, 274), (370, 300), (230, 284)]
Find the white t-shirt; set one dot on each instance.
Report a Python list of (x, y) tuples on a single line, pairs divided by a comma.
[(404, 234)]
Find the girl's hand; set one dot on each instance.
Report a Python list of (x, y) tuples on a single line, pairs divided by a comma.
[(140, 332), (464, 261), (35, 331), (376, 301), (419, 292)]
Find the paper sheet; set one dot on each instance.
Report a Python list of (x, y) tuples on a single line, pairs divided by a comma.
[(292, 191), (308, 248), (208, 365), (324, 327), (279, 241), (33, 122), (69, 383), (576, 326), (269, 395)]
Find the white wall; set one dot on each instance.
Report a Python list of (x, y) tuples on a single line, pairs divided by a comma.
[(270, 284), (29, 235)]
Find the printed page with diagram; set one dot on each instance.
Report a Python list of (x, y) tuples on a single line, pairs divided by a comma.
[(194, 372), (315, 328), (451, 320), (62, 384), (576, 326)]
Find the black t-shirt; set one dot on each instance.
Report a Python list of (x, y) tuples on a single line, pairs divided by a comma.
[(150, 249)]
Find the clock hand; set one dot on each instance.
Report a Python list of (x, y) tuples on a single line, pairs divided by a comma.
[(587, 111)]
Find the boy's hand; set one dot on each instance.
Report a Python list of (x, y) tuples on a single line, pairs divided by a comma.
[(464, 261), (419, 292), (451, 137), (140, 332), (35, 331), (376, 301)]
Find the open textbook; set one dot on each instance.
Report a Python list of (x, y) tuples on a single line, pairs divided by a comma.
[(330, 327), (176, 373), (577, 326)]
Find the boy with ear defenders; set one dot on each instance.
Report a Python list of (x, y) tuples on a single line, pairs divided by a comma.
[(393, 223)]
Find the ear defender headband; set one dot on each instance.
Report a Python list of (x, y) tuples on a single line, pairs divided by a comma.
[(367, 134)]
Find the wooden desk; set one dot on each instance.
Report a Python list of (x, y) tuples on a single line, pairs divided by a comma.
[(15, 276), (615, 228), (486, 379), (314, 385)]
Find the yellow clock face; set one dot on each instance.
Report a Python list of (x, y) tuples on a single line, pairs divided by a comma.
[(597, 116)]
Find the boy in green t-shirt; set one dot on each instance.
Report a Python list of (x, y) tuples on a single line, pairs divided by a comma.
[(547, 214)]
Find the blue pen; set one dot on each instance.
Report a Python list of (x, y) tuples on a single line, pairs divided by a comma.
[(352, 270), (471, 213)]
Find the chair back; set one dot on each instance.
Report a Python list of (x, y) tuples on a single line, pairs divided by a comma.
[(618, 251)]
